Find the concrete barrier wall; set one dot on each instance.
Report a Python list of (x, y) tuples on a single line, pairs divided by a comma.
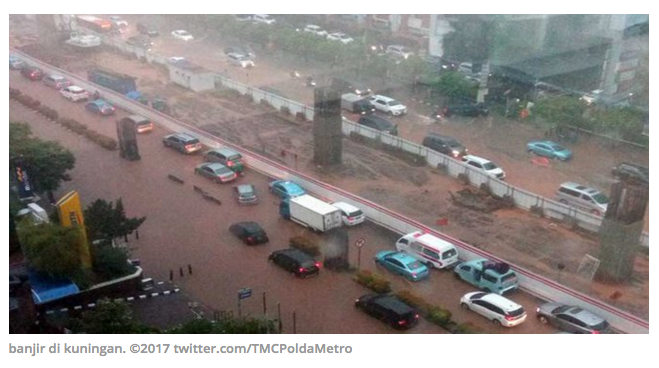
[(522, 199), (532, 283)]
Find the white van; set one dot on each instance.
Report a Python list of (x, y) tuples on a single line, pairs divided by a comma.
[(429, 249)]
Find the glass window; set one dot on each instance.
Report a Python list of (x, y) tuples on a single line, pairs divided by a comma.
[(431, 253)]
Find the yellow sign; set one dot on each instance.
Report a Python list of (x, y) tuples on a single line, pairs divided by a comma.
[(70, 215)]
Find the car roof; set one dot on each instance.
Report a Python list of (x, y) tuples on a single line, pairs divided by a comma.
[(403, 257), (430, 241), (251, 225), (476, 159), (242, 188), (289, 185), (296, 254), (504, 303), (580, 187), (54, 76), (393, 303), (214, 165), (588, 317), (185, 136), (75, 88), (383, 97), (225, 151), (137, 118), (345, 206), (100, 102)]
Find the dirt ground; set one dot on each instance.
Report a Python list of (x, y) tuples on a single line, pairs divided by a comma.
[(536, 244)]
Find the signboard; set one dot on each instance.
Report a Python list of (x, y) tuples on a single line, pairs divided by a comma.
[(70, 215), (244, 293), (360, 242), (25, 189)]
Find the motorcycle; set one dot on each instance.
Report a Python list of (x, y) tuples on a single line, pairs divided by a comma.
[(311, 82)]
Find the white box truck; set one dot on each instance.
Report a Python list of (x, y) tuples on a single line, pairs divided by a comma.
[(311, 212)]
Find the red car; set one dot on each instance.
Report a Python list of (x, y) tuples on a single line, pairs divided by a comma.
[(32, 73)]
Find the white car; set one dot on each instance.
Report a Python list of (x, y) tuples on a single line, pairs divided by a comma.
[(240, 60), (315, 30), (501, 311), (175, 60), (350, 214), (263, 18), (340, 36), (74, 93), (484, 164), (399, 51), (388, 105), (118, 22), (182, 35)]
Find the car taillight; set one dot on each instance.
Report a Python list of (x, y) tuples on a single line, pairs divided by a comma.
[(510, 318), (416, 316), (350, 218), (301, 270), (189, 146), (414, 274), (595, 332), (249, 238), (402, 322), (229, 163), (317, 264)]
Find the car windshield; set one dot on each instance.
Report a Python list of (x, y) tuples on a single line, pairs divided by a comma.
[(509, 277), (453, 143), (236, 157), (449, 254), (600, 198), (517, 312), (355, 213), (414, 265), (600, 326), (307, 265), (557, 147)]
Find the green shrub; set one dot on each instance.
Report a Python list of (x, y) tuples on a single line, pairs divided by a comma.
[(466, 328), (373, 281), (413, 299), (305, 245), (107, 143), (439, 316)]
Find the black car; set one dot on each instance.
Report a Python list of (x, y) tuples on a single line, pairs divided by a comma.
[(445, 145), (378, 123), (389, 309), (344, 86), (140, 41), (32, 73), (239, 50), (625, 170), (249, 232), (147, 29), (475, 110), (296, 262)]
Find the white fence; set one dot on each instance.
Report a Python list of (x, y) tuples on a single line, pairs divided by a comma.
[(534, 284), (522, 198)]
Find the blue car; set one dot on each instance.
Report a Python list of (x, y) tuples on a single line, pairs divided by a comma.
[(402, 264), (286, 189), (549, 149), (100, 107)]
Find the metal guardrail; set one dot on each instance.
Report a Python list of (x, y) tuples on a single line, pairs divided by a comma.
[(535, 284), (522, 198)]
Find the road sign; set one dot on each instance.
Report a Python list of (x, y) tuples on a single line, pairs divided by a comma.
[(360, 242), (244, 293)]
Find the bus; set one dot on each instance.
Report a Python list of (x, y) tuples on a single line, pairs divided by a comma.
[(94, 23)]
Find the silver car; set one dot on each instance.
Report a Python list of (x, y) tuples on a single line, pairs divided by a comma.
[(216, 171), (572, 319)]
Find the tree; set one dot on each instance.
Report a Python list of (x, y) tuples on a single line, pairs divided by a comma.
[(107, 221), (110, 262), (562, 110), (52, 249), (226, 326), (110, 317), (455, 86), (47, 162), (625, 122)]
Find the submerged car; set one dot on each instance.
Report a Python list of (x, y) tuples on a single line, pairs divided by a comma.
[(296, 262), (251, 233), (100, 107), (285, 189), (402, 264), (182, 35), (572, 319), (549, 149), (389, 309), (216, 172)]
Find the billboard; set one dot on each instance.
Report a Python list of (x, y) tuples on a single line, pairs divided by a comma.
[(70, 215)]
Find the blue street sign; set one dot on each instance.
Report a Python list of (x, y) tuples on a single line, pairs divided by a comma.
[(244, 293)]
